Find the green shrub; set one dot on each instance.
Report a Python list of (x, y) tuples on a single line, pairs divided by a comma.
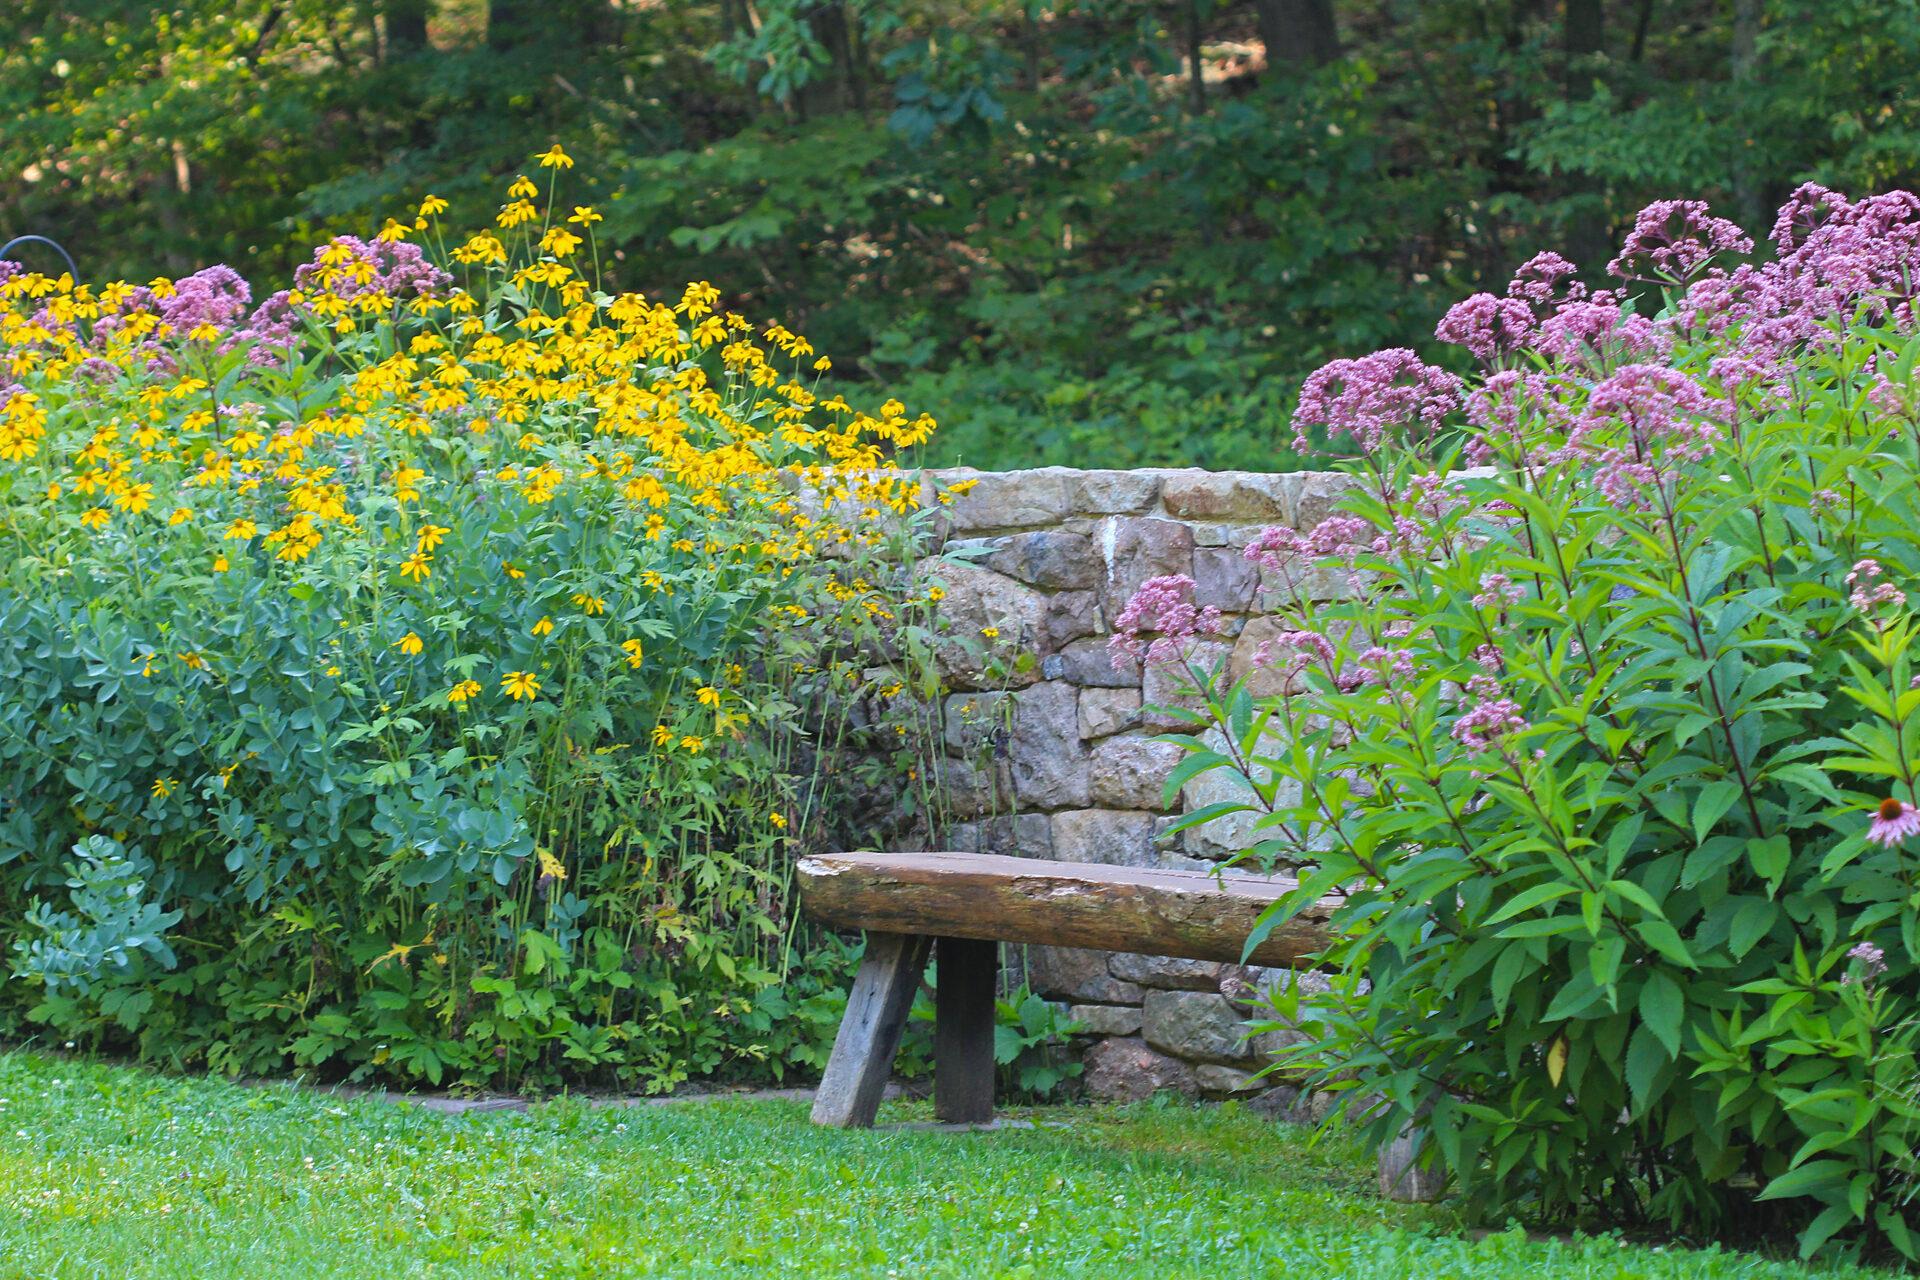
[(425, 675), (1610, 745)]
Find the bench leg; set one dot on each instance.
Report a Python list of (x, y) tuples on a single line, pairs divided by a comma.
[(963, 1030), (869, 1036)]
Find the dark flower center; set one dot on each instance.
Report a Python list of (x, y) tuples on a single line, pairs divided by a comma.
[(1891, 809)]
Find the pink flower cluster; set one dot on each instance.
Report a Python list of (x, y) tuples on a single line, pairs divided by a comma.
[(1870, 958), (1487, 325), (1162, 608), (1492, 717), (1338, 537), (1371, 398), (1497, 591), (1665, 416), (1672, 239), (393, 267), (215, 296), (1869, 592)]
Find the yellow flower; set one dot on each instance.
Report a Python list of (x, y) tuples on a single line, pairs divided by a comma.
[(551, 868), (418, 566), (544, 627), (512, 570), (585, 216), (593, 606), (180, 515), (708, 696), (463, 691), (554, 158), (409, 644), (778, 819), (242, 530), (937, 594), (95, 517), (991, 633), (136, 498), (431, 206), (662, 735), (520, 684), (692, 744), (164, 787), (432, 535), (333, 671), (220, 564), (634, 651)]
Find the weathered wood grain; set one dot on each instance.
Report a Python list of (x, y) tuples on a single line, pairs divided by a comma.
[(877, 1007), (971, 895), (963, 991)]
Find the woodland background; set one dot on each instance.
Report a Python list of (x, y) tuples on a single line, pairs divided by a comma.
[(1110, 232)]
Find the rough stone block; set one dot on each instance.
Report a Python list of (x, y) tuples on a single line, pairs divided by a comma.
[(1164, 685), (1024, 835), (1071, 615), (1114, 492), (1315, 493), (1410, 1176), (976, 724), (1049, 765), (1076, 974), (1104, 712), (1276, 1103), (1197, 1025), (1127, 1070), (1137, 548), (1088, 664), (1130, 771), (1259, 661), (1230, 833), (973, 789), (1121, 838), (1224, 579), (1010, 499), (1229, 495), (1106, 1019), (1169, 972), (1216, 1081), (977, 599), (1049, 558)]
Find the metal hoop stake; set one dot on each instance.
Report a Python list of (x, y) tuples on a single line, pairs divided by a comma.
[(51, 244)]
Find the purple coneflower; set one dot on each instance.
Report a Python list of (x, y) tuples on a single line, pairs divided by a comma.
[(1893, 822)]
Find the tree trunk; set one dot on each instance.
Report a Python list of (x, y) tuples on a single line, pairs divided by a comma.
[(405, 23), (1748, 202), (1584, 36), (1196, 80), (1300, 35)]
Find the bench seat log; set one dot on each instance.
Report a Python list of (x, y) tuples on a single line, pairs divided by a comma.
[(1192, 914)]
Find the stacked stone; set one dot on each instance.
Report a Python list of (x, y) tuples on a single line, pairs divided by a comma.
[(1050, 750)]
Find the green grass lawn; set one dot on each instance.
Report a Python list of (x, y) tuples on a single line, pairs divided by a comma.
[(112, 1172)]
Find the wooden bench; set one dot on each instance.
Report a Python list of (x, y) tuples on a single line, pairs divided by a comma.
[(958, 907)]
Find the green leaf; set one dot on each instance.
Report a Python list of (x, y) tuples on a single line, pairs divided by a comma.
[(1712, 804), (1662, 1005)]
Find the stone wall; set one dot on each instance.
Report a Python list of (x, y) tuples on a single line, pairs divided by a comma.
[(1049, 749)]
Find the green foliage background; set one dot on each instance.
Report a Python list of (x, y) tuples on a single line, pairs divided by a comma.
[(1027, 214)]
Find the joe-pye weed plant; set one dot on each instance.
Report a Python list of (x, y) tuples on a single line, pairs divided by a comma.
[(1597, 710)]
